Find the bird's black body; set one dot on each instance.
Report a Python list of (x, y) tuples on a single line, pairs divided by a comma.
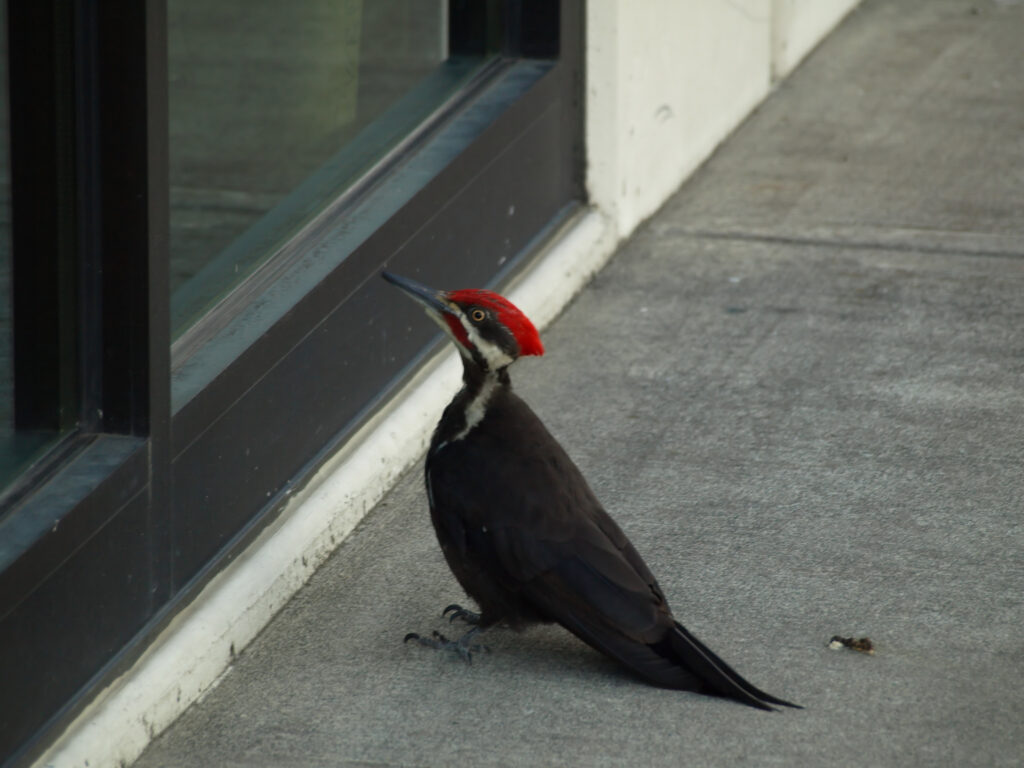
[(527, 539)]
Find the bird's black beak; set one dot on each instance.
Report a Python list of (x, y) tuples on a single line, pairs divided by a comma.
[(433, 300)]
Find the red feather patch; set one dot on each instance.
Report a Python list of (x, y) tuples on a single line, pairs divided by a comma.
[(508, 314), (457, 330)]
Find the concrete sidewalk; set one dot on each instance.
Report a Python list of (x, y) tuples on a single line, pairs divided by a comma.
[(800, 390)]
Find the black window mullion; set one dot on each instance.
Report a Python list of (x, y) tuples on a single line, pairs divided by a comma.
[(123, 156), (122, 139), (158, 310), (475, 27)]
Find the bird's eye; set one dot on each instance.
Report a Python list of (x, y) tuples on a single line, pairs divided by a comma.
[(478, 315)]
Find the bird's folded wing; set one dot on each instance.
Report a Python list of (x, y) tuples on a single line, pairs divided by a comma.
[(597, 596), (546, 537), (583, 580)]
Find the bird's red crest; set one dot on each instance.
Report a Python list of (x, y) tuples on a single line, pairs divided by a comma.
[(508, 314)]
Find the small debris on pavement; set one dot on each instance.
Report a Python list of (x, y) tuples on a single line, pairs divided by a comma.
[(862, 644)]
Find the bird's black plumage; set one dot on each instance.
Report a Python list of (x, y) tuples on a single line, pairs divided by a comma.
[(524, 534)]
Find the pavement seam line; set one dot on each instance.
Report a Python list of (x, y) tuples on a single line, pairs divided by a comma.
[(859, 245)]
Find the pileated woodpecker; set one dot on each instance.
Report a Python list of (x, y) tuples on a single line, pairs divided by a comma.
[(520, 528)]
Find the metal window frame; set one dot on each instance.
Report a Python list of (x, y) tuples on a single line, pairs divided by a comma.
[(160, 494)]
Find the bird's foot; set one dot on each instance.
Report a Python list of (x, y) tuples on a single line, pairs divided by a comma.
[(458, 612), (464, 647)]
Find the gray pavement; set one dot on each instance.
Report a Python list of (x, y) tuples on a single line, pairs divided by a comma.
[(800, 390)]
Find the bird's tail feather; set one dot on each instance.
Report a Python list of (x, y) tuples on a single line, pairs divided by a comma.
[(716, 674)]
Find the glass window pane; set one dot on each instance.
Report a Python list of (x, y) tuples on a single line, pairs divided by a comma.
[(275, 109), (38, 334), (19, 448)]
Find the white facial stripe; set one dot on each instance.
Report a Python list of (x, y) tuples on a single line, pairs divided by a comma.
[(494, 355)]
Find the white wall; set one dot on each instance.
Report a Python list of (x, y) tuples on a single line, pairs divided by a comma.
[(667, 80), (798, 26)]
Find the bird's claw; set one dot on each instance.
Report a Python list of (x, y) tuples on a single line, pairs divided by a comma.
[(464, 648), (458, 612)]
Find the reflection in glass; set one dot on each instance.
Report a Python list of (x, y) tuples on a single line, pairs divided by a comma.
[(276, 108), (6, 298), (38, 342)]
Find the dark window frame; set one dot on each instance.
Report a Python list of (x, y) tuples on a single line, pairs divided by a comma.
[(110, 544)]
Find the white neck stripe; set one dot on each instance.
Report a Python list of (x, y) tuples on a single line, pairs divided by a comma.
[(495, 357), (477, 407)]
